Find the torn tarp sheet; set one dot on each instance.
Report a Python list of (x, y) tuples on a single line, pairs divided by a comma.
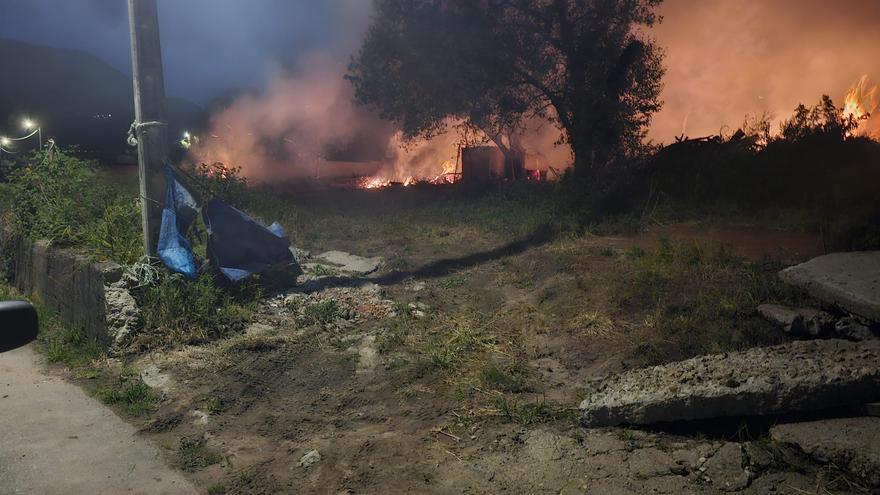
[(239, 245), (178, 214)]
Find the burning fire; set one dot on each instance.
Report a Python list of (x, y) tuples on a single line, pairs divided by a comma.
[(448, 175), (861, 100)]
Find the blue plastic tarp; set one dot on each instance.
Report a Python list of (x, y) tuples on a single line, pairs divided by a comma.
[(239, 246), (177, 216)]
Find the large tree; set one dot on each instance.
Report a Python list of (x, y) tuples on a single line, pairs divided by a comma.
[(587, 65)]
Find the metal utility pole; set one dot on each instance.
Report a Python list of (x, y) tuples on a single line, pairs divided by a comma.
[(149, 110)]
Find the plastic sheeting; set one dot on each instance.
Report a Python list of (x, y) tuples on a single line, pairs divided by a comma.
[(177, 216), (238, 245)]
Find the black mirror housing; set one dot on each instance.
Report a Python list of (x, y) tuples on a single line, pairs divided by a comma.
[(18, 324)]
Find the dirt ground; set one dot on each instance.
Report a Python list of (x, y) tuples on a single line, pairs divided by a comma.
[(459, 365)]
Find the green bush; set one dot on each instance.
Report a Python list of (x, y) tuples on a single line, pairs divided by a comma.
[(177, 310), (63, 200)]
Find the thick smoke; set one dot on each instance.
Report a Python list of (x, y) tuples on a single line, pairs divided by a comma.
[(725, 60), (306, 125), (728, 59)]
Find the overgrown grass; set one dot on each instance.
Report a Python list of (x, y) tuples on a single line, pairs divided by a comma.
[(67, 346), (531, 413), (178, 311), (130, 393), (505, 378), (696, 299), (64, 200), (194, 454), (325, 311)]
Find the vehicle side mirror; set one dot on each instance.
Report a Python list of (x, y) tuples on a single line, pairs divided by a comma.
[(18, 324)]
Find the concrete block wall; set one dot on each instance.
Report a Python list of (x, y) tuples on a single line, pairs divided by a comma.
[(66, 282)]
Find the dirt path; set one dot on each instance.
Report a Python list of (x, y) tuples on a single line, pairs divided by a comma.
[(57, 440)]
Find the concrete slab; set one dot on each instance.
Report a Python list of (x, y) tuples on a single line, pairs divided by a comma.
[(852, 444), (57, 440), (798, 376), (848, 280), (351, 263)]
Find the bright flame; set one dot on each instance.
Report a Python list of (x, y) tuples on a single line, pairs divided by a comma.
[(860, 101), (448, 175), (373, 182)]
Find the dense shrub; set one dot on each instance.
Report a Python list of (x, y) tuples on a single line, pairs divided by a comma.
[(61, 199)]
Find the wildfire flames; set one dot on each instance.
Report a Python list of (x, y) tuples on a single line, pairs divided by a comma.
[(860, 101), (448, 175)]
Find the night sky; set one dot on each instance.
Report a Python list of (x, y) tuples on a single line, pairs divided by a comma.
[(726, 58), (209, 46)]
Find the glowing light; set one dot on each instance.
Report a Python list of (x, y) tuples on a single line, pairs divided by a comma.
[(4, 141), (28, 124), (186, 134), (860, 101)]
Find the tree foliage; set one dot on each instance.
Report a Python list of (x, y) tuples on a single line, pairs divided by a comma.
[(822, 120), (587, 65)]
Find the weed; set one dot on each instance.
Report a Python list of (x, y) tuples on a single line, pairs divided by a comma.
[(531, 413), (452, 282), (635, 253), (217, 489), (194, 454), (178, 311), (391, 338), (63, 200), (132, 394), (398, 263), (698, 298), (324, 271), (70, 347), (607, 252), (214, 405), (510, 379), (325, 311)]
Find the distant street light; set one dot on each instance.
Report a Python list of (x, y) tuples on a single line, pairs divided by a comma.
[(29, 124), (4, 141)]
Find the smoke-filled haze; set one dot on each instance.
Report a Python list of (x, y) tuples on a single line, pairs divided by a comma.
[(725, 59)]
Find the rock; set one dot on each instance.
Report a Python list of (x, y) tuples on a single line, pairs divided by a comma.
[(650, 462), (201, 417), (797, 376), (545, 446), (300, 255), (153, 377), (351, 263), (758, 457), (368, 358), (798, 321), (725, 469), (257, 329), (122, 314), (851, 328), (418, 286), (848, 280), (852, 444), (309, 458)]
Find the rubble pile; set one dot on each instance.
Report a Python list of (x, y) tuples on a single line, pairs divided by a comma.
[(798, 376)]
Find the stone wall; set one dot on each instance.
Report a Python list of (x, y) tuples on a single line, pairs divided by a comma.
[(66, 282)]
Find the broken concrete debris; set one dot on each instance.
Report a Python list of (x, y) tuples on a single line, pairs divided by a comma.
[(797, 376), (309, 458), (799, 321), (852, 444), (850, 281), (350, 263)]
